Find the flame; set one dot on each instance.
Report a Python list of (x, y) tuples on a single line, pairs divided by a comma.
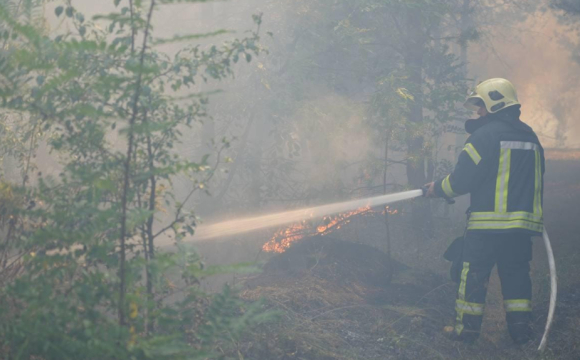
[(284, 238), (390, 211), (287, 236)]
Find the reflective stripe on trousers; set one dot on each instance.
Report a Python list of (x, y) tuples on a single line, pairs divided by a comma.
[(462, 306), (517, 305)]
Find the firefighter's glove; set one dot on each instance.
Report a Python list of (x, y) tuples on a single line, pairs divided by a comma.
[(429, 190)]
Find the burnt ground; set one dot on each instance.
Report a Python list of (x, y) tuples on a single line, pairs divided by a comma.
[(335, 260), (337, 300), (338, 303)]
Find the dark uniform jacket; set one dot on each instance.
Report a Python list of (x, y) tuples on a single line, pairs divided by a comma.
[(502, 167)]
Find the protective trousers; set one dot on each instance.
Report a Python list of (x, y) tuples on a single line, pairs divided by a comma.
[(512, 254)]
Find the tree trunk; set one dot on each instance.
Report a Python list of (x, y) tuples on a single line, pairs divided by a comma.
[(414, 54), (465, 26), (387, 225)]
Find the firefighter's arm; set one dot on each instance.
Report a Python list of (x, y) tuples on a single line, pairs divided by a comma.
[(468, 171)]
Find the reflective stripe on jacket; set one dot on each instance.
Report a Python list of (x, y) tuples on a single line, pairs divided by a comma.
[(502, 167)]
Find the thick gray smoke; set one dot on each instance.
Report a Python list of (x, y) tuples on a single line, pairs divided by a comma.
[(537, 56)]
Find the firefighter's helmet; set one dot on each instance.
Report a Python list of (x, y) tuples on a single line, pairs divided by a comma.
[(495, 94)]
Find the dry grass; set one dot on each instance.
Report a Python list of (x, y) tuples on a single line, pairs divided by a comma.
[(323, 320), (309, 326)]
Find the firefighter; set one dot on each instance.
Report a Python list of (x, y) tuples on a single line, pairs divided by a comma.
[(501, 167)]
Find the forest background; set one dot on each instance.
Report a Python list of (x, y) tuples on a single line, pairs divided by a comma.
[(126, 123)]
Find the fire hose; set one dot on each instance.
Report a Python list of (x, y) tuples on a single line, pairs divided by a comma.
[(553, 290), (239, 226)]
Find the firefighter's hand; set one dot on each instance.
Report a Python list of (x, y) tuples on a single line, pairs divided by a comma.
[(430, 190)]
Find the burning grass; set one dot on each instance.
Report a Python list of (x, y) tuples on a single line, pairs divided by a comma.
[(285, 237)]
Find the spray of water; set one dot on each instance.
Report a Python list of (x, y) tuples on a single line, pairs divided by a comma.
[(239, 226)]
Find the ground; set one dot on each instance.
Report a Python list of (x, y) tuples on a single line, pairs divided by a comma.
[(337, 300)]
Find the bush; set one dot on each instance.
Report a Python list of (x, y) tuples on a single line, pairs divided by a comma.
[(80, 275)]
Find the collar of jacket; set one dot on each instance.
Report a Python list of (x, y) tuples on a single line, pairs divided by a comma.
[(510, 115)]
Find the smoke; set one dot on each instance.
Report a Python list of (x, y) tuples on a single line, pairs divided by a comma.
[(537, 56), (334, 136)]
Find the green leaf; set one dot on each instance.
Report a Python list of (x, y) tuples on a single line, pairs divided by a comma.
[(58, 11), (69, 11), (105, 184), (248, 57), (116, 2), (137, 217), (82, 30)]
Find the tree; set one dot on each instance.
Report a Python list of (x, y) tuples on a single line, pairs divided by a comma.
[(419, 88), (80, 249)]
